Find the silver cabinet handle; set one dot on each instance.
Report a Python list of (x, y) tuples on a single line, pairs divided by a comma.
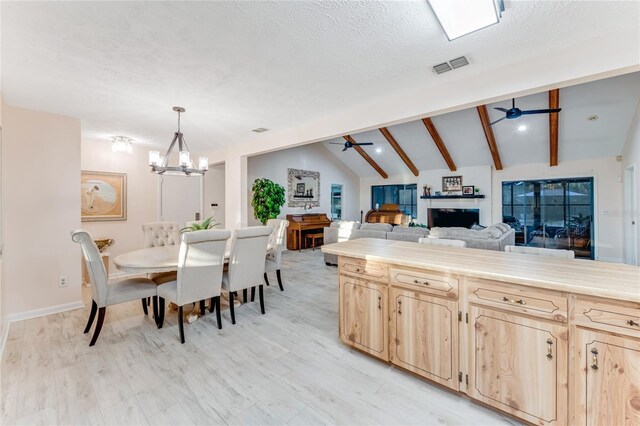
[(399, 307), (421, 282), (379, 302), (594, 359), (519, 302), (549, 349)]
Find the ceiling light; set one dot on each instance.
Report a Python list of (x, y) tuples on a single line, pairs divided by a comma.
[(121, 144), (458, 18), (592, 117), (260, 130), (522, 127), (379, 150), (185, 165)]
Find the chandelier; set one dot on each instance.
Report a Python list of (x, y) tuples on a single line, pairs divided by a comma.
[(160, 165), (121, 144)]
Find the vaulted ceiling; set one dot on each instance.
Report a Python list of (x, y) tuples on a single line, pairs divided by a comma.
[(239, 65), (613, 100)]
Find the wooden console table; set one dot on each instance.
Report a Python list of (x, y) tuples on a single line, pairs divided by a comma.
[(547, 340)]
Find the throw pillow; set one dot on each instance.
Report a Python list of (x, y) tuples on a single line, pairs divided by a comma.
[(477, 227)]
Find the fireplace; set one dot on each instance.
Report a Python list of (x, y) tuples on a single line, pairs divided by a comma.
[(452, 217)]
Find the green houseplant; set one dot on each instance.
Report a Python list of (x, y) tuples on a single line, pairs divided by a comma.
[(268, 197), (208, 223)]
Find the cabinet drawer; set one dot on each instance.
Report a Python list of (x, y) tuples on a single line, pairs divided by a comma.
[(616, 318), (536, 302), (364, 269), (430, 282)]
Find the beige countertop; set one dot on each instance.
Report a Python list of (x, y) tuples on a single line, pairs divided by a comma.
[(587, 277)]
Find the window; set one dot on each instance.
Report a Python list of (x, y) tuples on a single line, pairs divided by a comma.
[(405, 196), (336, 201), (555, 213)]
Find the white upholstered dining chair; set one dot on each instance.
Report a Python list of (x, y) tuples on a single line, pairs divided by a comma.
[(246, 264), (104, 294), (539, 251), (442, 242), (160, 234), (199, 275), (274, 248)]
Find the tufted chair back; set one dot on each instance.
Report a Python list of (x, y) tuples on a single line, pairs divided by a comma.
[(157, 234), (246, 261), (95, 267), (276, 239), (200, 265)]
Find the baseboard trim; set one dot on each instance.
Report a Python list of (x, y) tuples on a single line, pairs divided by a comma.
[(45, 311)]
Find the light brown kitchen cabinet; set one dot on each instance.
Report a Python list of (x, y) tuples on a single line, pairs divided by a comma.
[(608, 379), (364, 315), (518, 364), (424, 335)]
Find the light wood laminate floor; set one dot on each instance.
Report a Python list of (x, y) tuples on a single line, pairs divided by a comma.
[(285, 367)]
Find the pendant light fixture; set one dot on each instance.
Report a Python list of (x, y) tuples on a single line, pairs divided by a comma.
[(185, 165)]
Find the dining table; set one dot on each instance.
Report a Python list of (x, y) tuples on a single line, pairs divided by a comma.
[(160, 259)]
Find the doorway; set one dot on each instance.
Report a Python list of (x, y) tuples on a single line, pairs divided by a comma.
[(630, 216), (336, 201)]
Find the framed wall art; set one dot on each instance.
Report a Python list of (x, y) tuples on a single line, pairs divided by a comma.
[(468, 190), (452, 184), (304, 188), (103, 196)]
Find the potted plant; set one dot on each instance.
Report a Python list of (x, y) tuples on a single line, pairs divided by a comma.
[(208, 223), (268, 198)]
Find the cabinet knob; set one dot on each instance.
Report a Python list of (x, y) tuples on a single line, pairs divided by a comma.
[(594, 359), (632, 323), (518, 302)]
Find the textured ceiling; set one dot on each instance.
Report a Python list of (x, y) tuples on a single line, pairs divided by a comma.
[(235, 66), (613, 100)]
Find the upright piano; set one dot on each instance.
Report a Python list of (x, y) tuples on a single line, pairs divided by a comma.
[(388, 213), (300, 224)]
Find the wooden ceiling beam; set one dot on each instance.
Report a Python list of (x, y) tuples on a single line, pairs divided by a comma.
[(368, 159), (403, 155), (488, 133), (554, 102), (431, 128)]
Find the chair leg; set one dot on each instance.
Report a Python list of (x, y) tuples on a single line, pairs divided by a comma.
[(202, 308), (266, 280), (232, 308), (148, 301), (181, 324), (154, 300), (92, 315), (261, 295), (144, 306), (253, 293), (245, 299), (218, 314), (96, 332), (160, 321), (212, 306), (279, 279)]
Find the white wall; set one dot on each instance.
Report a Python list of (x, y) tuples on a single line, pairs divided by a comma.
[(4, 324), (631, 157), (608, 196), (142, 195), (309, 157), (41, 205), (214, 193)]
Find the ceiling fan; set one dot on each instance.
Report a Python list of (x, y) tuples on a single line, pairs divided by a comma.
[(349, 144), (517, 112)]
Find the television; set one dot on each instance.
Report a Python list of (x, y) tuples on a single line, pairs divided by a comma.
[(446, 218)]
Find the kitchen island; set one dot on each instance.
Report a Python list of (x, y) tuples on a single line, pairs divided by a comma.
[(547, 340)]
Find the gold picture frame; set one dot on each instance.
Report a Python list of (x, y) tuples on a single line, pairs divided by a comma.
[(103, 196)]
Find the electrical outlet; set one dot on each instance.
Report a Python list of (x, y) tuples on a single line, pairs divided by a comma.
[(63, 282)]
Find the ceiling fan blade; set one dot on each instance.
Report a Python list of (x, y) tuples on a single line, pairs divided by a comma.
[(345, 148), (336, 143), (363, 144), (541, 111), (499, 120), (501, 109)]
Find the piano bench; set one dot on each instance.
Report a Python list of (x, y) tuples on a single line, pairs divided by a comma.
[(313, 237)]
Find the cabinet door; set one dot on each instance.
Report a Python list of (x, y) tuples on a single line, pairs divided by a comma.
[(608, 367), (518, 365), (424, 335), (364, 315)]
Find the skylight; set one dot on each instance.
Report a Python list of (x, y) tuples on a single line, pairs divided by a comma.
[(461, 17)]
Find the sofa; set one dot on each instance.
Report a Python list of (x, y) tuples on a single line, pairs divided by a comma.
[(494, 237), (340, 231)]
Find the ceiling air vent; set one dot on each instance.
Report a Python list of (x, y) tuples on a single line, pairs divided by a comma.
[(443, 67), (260, 130), (458, 62)]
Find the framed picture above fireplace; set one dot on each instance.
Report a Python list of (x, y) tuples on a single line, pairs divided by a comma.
[(452, 183)]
